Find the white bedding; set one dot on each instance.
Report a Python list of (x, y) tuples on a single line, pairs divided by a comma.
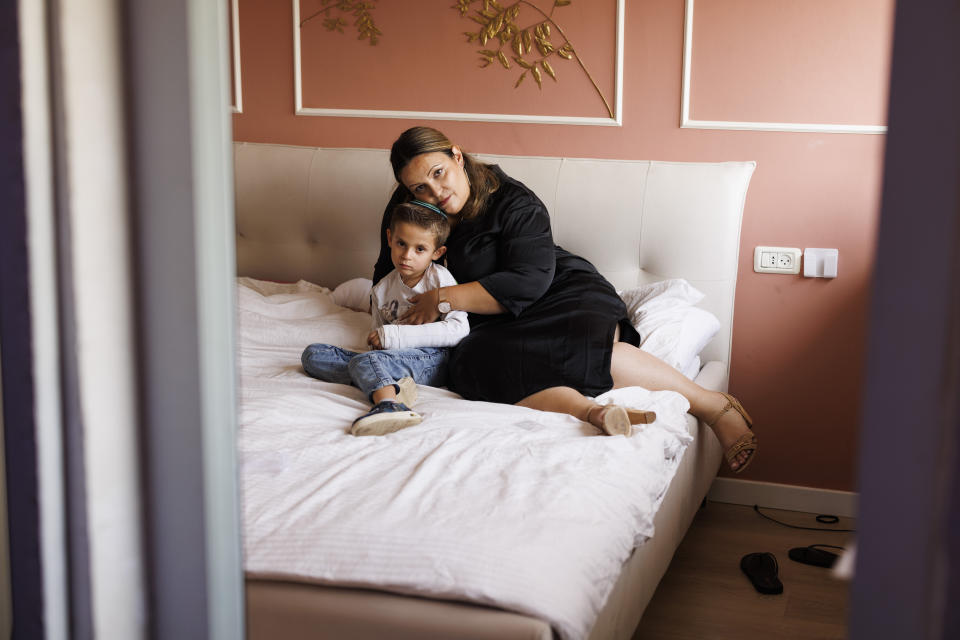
[(493, 504)]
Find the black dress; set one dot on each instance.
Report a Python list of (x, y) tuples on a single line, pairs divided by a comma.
[(561, 313)]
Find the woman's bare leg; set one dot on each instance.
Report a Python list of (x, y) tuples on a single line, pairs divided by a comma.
[(633, 367), (571, 401), (560, 400)]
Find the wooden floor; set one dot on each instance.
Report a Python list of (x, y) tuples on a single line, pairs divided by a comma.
[(705, 596)]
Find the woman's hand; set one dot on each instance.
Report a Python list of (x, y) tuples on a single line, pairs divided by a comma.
[(374, 340), (424, 308)]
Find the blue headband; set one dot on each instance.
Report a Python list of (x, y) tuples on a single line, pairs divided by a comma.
[(433, 208)]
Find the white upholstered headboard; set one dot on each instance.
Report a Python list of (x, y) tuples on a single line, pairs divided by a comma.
[(314, 214)]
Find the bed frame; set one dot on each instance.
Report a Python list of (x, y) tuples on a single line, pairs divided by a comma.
[(307, 213)]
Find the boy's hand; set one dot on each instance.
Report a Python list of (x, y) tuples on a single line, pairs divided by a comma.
[(424, 309), (374, 340)]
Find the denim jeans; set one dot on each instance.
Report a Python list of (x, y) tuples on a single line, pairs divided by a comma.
[(372, 370)]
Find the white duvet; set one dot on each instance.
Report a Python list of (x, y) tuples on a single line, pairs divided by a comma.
[(494, 504)]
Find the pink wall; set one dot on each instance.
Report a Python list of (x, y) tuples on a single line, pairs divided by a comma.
[(792, 60), (798, 344)]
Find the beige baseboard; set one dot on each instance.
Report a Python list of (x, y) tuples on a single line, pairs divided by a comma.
[(784, 496)]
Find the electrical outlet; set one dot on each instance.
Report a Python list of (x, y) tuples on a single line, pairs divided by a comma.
[(776, 260)]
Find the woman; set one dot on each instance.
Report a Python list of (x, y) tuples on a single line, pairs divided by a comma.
[(547, 330)]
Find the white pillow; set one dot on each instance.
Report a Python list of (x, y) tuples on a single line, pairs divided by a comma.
[(670, 326), (694, 369), (354, 294)]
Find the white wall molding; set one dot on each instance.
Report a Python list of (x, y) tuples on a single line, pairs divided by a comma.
[(784, 496), (686, 122), (237, 106), (301, 110)]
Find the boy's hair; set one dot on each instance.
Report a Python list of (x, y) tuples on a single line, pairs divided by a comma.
[(423, 218)]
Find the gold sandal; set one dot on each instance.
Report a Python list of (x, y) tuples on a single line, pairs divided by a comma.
[(746, 442), (639, 416), (619, 420), (615, 420)]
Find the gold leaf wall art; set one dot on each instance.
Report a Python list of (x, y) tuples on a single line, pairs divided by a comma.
[(424, 70), (333, 12), (530, 46)]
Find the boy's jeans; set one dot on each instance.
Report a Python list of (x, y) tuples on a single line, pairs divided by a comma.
[(372, 370)]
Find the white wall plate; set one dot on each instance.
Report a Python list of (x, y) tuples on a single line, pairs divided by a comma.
[(820, 263), (776, 260)]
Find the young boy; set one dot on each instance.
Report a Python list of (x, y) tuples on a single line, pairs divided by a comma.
[(402, 355)]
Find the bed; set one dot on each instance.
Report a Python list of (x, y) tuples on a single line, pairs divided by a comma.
[(485, 521)]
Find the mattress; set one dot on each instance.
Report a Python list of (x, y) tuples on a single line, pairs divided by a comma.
[(527, 511)]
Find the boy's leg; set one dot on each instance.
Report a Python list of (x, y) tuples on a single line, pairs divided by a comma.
[(375, 370), (385, 374), (327, 362), (404, 391)]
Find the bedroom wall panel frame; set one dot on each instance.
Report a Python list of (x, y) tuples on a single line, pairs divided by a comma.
[(181, 186), (237, 106), (686, 122), (302, 110)]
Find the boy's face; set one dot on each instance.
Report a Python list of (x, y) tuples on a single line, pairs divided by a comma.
[(412, 250)]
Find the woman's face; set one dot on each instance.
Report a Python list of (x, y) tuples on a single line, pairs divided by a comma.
[(438, 179)]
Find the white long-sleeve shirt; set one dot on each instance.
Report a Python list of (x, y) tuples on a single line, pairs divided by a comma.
[(389, 300)]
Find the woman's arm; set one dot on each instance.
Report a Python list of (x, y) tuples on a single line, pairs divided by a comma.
[(504, 276), (525, 254), (470, 297)]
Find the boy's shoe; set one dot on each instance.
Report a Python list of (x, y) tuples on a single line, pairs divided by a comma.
[(385, 417), (408, 391)]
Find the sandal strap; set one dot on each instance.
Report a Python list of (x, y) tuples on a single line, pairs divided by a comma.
[(591, 410), (739, 407), (732, 403), (720, 414), (746, 442)]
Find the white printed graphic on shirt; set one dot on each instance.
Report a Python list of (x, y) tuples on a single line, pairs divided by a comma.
[(389, 300), (390, 312)]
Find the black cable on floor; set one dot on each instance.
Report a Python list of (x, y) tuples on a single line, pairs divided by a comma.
[(826, 518)]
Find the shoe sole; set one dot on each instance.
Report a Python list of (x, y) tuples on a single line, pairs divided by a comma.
[(763, 572), (616, 422), (384, 423), (408, 391), (813, 556)]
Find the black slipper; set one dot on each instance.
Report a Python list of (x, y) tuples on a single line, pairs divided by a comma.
[(762, 569), (814, 556)]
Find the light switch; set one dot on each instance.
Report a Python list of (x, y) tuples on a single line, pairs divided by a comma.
[(820, 263)]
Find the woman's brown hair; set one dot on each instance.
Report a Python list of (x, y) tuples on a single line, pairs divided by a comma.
[(419, 140)]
